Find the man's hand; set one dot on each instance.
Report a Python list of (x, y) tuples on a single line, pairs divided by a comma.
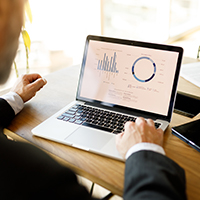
[(27, 86), (140, 131)]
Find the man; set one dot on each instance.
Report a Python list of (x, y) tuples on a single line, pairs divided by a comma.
[(29, 173)]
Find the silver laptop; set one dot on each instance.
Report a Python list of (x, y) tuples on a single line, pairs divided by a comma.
[(119, 81)]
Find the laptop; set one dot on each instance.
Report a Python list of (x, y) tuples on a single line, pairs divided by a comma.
[(119, 81)]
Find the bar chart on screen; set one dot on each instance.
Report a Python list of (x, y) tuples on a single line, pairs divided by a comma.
[(108, 66)]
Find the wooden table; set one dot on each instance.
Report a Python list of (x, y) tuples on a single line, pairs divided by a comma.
[(109, 173)]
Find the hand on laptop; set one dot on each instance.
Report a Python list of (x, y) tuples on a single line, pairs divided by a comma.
[(27, 86), (140, 131)]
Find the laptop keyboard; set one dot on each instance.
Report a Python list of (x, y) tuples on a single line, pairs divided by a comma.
[(97, 118)]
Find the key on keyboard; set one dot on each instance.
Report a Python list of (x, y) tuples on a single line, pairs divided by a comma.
[(97, 118)]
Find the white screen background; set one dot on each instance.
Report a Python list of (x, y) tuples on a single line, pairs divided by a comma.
[(117, 84)]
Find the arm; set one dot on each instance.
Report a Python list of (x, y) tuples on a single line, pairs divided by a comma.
[(148, 174), (24, 89), (28, 85), (6, 113), (28, 171)]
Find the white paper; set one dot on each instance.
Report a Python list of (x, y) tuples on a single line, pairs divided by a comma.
[(191, 72)]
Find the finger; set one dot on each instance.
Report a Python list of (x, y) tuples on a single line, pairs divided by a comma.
[(140, 121), (32, 77), (160, 131), (119, 137), (141, 125), (38, 84), (150, 122), (129, 125)]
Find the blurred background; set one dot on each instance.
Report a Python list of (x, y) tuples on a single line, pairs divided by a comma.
[(59, 28)]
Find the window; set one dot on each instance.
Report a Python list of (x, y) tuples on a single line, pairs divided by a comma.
[(60, 27), (155, 20)]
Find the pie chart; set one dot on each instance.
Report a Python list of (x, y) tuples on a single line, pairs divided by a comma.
[(144, 69)]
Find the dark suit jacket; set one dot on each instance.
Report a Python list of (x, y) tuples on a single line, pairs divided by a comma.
[(29, 173)]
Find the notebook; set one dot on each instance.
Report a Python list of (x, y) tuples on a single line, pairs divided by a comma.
[(119, 81)]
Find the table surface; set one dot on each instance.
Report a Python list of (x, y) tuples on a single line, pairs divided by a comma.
[(107, 172)]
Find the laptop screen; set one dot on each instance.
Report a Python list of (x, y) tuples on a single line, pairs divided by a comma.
[(134, 75)]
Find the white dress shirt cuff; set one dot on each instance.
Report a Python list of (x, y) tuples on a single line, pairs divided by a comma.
[(14, 100), (145, 146)]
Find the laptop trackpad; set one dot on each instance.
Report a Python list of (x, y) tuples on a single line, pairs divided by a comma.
[(89, 138)]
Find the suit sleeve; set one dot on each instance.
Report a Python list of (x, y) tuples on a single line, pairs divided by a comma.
[(150, 175), (6, 113), (29, 173)]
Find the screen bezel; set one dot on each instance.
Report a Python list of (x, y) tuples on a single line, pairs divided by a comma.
[(133, 111)]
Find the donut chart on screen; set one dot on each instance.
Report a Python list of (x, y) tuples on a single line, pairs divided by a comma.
[(151, 76)]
